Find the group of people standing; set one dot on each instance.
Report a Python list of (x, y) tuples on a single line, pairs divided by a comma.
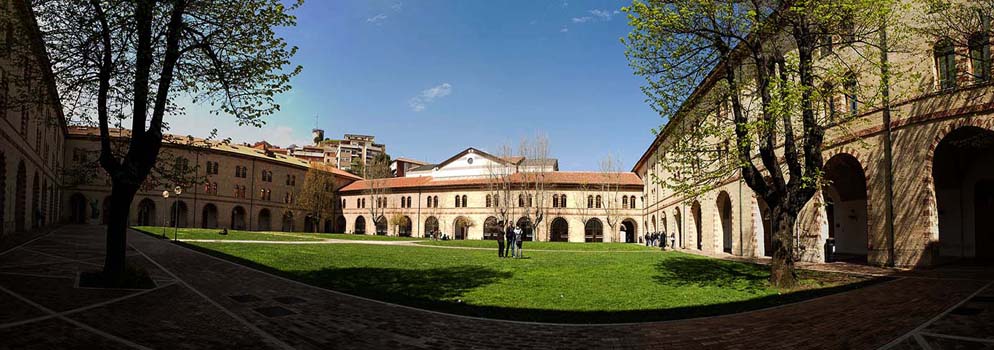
[(513, 237), (655, 239)]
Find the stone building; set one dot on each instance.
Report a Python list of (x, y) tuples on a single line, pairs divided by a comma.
[(457, 197), (226, 185), (942, 132), (33, 129)]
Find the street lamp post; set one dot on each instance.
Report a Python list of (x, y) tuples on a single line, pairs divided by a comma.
[(165, 200), (176, 190)]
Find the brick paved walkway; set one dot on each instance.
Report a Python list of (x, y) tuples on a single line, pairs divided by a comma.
[(204, 302)]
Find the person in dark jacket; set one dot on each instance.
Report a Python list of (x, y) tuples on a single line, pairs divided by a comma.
[(509, 234), (500, 244)]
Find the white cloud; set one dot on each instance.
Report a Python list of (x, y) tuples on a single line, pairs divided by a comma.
[(378, 19), (595, 16), (420, 102), (563, 29), (604, 15), (397, 6)]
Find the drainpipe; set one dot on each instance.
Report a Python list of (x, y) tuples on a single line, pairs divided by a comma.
[(888, 144)]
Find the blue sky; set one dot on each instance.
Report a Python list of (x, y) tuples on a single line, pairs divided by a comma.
[(430, 78)]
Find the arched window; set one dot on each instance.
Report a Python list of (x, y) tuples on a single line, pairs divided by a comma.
[(980, 57), (590, 201), (555, 201), (496, 200), (562, 201), (409, 201), (457, 201), (852, 100), (598, 202), (624, 202), (521, 200), (464, 201), (945, 63), (529, 201), (428, 202), (435, 202), (488, 201)]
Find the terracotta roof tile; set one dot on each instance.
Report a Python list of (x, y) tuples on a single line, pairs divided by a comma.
[(554, 178)]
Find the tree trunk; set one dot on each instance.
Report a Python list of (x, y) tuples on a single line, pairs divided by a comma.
[(782, 273), (122, 194)]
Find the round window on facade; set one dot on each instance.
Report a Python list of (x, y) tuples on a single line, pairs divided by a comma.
[(470, 160)]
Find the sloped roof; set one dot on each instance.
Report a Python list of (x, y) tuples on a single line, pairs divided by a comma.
[(553, 178), (426, 167), (218, 146)]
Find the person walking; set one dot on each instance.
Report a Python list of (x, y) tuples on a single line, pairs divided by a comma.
[(517, 241), (509, 234), (500, 244)]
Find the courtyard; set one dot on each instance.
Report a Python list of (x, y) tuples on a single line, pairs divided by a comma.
[(555, 282), (201, 301)]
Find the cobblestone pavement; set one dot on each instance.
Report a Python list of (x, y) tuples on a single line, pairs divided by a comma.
[(204, 302)]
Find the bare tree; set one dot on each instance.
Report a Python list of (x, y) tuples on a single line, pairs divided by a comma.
[(376, 173), (534, 180), (583, 202), (317, 194), (501, 186), (610, 188)]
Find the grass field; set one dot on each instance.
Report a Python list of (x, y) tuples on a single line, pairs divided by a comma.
[(527, 246), (546, 286), (205, 233), (213, 233)]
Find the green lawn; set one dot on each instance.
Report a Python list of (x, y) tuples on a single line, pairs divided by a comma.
[(546, 245), (546, 286), (211, 233), (356, 237)]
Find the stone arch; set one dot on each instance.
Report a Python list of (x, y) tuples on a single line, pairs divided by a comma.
[(560, 230), (846, 208), (340, 224), (360, 225), (431, 226), (146, 213), (678, 225), (237, 218), (208, 216), (286, 223), (311, 223), (695, 213), (963, 187), (381, 225), (20, 197), (723, 206), (329, 226), (593, 230), (491, 228), (460, 228), (929, 200), (178, 213), (77, 208), (265, 220), (405, 227), (631, 230), (766, 225), (527, 230)]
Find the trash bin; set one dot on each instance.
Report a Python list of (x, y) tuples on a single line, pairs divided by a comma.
[(830, 250)]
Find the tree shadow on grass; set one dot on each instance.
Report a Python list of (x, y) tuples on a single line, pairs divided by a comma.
[(681, 271), (439, 289), (423, 285)]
